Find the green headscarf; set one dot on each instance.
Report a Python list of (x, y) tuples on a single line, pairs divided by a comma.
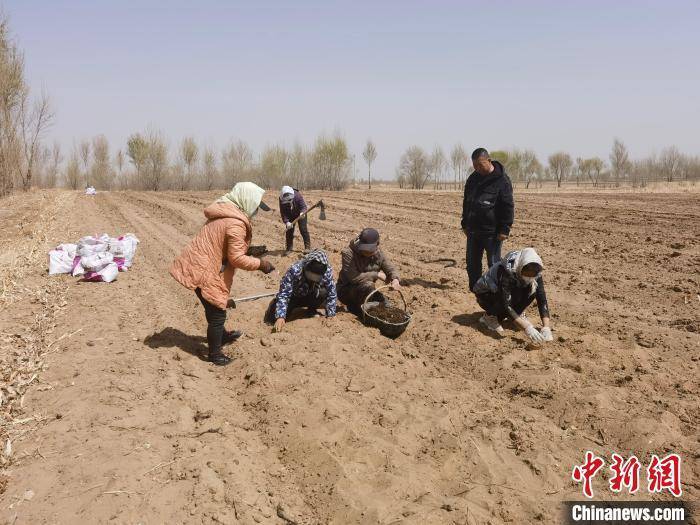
[(246, 196)]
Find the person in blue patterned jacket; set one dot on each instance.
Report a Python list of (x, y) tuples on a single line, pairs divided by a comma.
[(308, 282)]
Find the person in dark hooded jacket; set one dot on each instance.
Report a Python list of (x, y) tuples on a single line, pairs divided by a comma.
[(508, 288), (487, 212), (307, 283), (363, 263)]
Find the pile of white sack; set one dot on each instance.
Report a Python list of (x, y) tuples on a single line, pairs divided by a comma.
[(94, 258), (90, 191)]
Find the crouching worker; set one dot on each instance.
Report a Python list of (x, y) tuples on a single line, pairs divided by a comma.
[(508, 288), (227, 232), (308, 282), (293, 206), (364, 263)]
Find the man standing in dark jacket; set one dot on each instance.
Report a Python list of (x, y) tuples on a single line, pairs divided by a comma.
[(293, 206), (487, 212)]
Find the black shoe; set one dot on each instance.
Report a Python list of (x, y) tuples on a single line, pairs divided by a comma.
[(219, 359), (230, 337)]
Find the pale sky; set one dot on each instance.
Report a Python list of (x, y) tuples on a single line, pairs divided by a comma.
[(546, 75)]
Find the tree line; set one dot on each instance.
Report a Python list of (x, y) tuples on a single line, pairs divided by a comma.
[(418, 168), (147, 163)]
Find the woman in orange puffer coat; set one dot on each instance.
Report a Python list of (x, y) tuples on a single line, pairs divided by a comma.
[(224, 238)]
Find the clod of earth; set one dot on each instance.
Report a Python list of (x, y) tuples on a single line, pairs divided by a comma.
[(257, 251)]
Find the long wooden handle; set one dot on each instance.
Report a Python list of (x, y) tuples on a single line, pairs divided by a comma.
[(254, 297), (306, 212)]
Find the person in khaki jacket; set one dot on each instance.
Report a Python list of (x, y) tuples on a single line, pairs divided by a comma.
[(224, 238), (363, 263)]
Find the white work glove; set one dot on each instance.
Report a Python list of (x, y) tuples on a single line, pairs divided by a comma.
[(534, 335), (546, 333), (288, 225)]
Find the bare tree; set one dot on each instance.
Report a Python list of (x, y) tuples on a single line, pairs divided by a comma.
[(41, 166), (273, 166), (101, 169), (236, 162), (437, 165), (578, 171), (591, 169), (73, 174), (560, 165), (597, 165), (400, 178), (298, 166), (209, 171), (22, 122), (189, 153), (369, 154), (619, 160), (33, 124), (670, 163), (119, 164), (458, 158), (524, 166), (691, 168), (330, 164), (13, 91), (414, 168), (84, 150), (175, 177), (156, 160), (137, 150), (54, 163), (531, 166), (644, 170)]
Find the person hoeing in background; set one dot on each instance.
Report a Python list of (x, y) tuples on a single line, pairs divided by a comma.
[(508, 288), (487, 212), (227, 233), (293, 206)]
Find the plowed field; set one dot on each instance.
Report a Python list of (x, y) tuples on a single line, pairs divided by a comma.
[(125, 423)]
